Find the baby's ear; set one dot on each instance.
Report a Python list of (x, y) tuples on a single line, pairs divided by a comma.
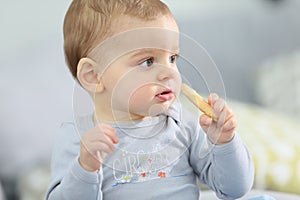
[(88, 76)]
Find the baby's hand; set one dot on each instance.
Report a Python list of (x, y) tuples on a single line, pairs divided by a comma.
[(222, 131), (95, 144)]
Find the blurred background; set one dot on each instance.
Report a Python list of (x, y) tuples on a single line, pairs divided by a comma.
[(254, 43)]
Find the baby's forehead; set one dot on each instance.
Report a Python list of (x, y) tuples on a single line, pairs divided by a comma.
[(153, 39)]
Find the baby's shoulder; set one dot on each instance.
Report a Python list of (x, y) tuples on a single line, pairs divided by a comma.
[(76, 126)]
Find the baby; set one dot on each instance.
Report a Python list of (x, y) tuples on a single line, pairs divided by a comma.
[(139, 143)]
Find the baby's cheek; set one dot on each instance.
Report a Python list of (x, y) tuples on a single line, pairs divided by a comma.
[(140, 97), (177, 83)]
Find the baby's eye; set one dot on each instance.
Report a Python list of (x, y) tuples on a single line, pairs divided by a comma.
[(148, 62), (173, 58)]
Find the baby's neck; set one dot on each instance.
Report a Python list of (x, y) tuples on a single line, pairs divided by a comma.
[(100, 116)]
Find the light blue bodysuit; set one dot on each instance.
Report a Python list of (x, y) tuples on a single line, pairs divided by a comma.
[(157, 158)]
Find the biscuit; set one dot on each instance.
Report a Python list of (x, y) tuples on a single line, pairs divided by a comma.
[(198, 101)]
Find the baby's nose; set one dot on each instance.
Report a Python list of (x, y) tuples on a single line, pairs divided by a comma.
[(166, 72)]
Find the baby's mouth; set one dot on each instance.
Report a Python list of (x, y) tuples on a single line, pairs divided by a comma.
[(166, 95)]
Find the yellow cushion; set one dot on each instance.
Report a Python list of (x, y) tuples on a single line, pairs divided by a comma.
[(273, 139)]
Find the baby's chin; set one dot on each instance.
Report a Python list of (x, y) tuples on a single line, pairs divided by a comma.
[(157, 109)]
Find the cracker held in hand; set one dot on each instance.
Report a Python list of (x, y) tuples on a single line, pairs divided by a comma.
[(197, 100)]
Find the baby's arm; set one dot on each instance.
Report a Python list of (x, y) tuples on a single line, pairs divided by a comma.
[(69, 179), (225, 167)]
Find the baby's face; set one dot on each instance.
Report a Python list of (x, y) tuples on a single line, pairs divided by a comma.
[(141, 77), (143, 83)]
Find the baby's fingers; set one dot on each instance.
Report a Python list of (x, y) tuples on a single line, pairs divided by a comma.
[(102, 147), (109, 132), (230, 125), (205, 122), (218, 107), (212, 98)]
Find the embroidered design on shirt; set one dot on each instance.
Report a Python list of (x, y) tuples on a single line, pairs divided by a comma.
[(141, 167)]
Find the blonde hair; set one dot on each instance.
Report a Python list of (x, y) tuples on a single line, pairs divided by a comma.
[(88, 22)]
